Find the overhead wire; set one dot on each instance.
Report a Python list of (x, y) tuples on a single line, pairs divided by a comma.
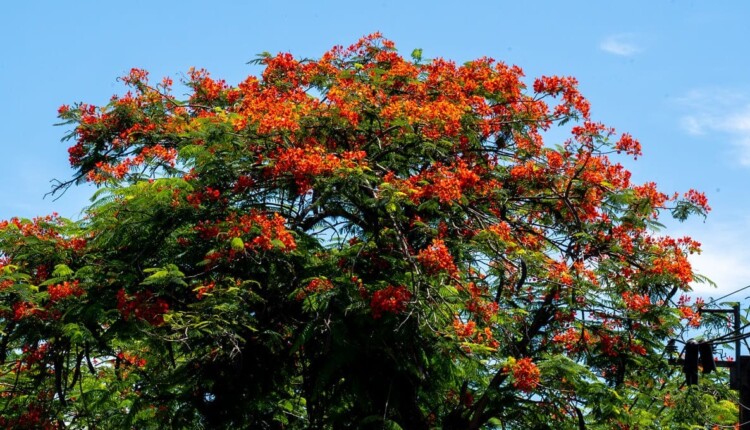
[(727, 295), (730, 426), (731, 335), (743, 406), (734, 335), (723, 338)]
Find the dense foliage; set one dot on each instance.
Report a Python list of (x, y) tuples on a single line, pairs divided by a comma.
[(358, 241)]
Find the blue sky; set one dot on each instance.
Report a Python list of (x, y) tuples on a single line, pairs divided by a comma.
[(675, 74)]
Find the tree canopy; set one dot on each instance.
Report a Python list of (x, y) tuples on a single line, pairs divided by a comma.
[(357, 241)]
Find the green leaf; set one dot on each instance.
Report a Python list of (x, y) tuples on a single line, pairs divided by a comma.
[(169, 274), (237, 244), (417, 55), (62, 271)]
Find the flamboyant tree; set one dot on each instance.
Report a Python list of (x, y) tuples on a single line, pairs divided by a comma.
[(358, 241)]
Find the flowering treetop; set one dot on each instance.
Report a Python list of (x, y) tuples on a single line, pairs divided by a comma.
[(358, 240)]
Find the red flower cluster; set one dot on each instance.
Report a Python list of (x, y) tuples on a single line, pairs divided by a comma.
[(559, 272), (468, 332), (23, 310), (131, 359), (35, 417), (698, 198), (446, 183), (270, 229), (612, 345), (464, 330), (204, 289), (676, 265), (628, 145), (310, 162), (528, 171), (526, 375), (390, 299), (265, 232), (136, 76), (243, 184), (76, 243), (196, 198), (502, 230), (477, 304), (317, 285), (573, 340), (205, 88), (58, 292), (44, 228), (206, 230), (31, 355), (143, 306), (167, 155), (648, 191), (437, 259), (565, 86), (637, 348), (693, 317), (636, 302)]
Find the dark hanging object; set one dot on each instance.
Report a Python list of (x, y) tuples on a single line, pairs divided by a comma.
[(707, 357), (691, 362)]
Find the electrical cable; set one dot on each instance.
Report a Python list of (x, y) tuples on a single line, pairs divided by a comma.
[(730, 426), (727, 295), (718, 341), (733, 332), (721, 340), (733, 336)]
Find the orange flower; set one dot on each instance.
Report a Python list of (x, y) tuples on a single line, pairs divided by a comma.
[(436, 258), (636, 302), (464, 330), (526, 375), (390, 299), (58, 292), (693, 317)]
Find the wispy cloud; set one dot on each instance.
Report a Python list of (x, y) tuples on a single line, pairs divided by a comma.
[(624, 44), (724, 258), (722, 112)]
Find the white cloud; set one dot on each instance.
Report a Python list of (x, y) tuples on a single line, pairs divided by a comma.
[(620, 44), (739, 122), (722, 113), (693, 125), (723, 260)]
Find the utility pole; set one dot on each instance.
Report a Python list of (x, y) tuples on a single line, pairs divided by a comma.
[(737, 380), (743, 382)]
